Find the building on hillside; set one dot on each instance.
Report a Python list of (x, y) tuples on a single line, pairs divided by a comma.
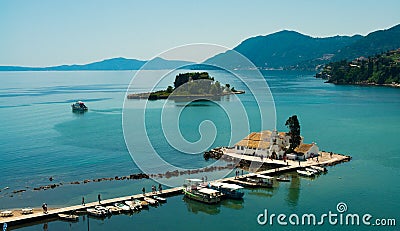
[(273, 144), (305, 151)]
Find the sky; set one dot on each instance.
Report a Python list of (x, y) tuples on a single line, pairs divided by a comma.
[(55, 32)]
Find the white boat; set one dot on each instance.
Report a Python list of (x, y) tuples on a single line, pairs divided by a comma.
[(103, 209), (312, 170), (123, 207), (261, 180), (321, 169), (79, 106), (193, 191), (138, 204), (150, 201), (143, 204), (68, 217), (132, 205), (95, 212), (305, 173), (113, 209), (283, 179), (160, 199)]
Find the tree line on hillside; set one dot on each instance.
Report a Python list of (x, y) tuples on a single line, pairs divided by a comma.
[(383, 68)]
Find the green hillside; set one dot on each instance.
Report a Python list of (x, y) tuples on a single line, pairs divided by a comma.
[(376, 70)]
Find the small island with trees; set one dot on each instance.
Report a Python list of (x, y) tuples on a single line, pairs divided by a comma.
[(379, 70), (188, 85)]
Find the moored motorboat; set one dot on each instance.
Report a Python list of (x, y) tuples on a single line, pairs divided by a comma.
[(123, 207), (261, 180), (138, 203), (96, 212), (193, 191), (312, 170), (321, 169), (283, 179), (144, 204), (68, 217), (113, 209), (160, 199), (305, 173), (151, 201), (232, 191), (132, 205), (103, 209)]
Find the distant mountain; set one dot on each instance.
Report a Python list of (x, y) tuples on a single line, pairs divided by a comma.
[(372, 44), (285, 48), (108, 64), (280, 50), (293, 50)]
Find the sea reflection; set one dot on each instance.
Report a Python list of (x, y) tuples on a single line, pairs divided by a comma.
[(196, 207)]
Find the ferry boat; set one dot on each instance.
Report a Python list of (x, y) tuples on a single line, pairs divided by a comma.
[(193, 191), (79, 106), (232, 191)]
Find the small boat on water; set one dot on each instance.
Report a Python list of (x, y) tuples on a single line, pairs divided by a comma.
[(123, 207), (320, 169), (283, 179), (261, 180), (194, 191), (68, 217), (96, 213), (113, 209), (103, 209), (232, 191), (132, 205), (305, 173), (312, 170), (144, 204), (160, 199), (79, 106), (151, 201), (138, 204)]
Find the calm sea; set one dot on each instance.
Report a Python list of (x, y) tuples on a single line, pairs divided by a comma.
[(40, 137)]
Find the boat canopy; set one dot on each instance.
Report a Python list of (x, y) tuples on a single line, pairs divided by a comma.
[(217, 184), (208, 191), (231, 186), (264, 177)]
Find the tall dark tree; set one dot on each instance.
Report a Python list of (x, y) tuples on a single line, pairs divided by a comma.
[(294, 132)]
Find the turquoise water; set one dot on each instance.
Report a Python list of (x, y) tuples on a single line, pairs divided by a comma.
[(40, 137)]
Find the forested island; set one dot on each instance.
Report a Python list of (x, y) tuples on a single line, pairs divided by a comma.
[(382, 69), (190, 84)]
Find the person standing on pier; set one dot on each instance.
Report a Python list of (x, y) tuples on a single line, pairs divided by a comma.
[(83, 201), (99, 198), (44, 206), (143, 190), (160, 188)]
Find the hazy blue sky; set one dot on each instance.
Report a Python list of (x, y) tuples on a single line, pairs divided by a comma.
[(52, 32)]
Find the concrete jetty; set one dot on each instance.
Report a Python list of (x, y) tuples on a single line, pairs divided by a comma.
[(326, 159)]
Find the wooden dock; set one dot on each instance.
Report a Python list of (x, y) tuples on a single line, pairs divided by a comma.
[(52, 213), (286, 167)]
